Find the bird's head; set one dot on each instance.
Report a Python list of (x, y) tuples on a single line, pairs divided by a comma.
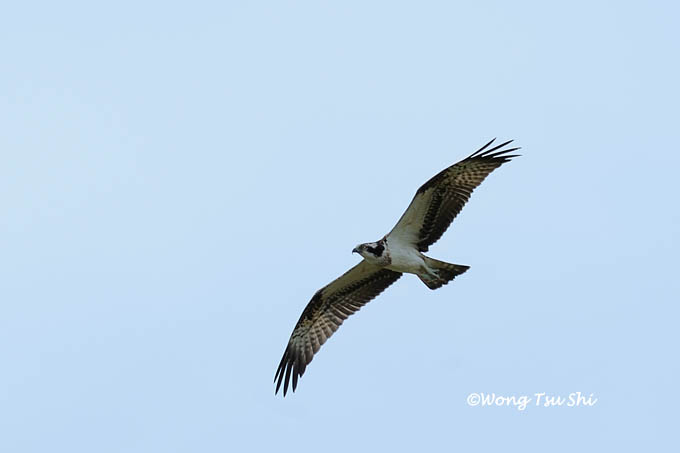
[(372, 251)]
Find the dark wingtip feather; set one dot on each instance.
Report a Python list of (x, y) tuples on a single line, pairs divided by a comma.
[(286, 380), (502, 154), (292, 366), (480, 150), (279, 371), (497, 147), (496, 153), (296, 369)]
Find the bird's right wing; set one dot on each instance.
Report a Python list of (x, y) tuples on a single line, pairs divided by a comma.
[(329, 307)]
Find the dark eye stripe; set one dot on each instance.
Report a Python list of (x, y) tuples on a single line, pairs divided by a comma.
[(377, 251)]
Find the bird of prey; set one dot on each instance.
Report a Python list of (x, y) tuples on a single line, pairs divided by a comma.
[(430, 213)]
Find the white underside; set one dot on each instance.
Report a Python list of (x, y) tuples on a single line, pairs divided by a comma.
[(405, 258)]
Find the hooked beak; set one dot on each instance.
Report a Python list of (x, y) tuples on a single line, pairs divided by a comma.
[(355, 250)]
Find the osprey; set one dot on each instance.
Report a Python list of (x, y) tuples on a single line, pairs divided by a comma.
[(430, 213)]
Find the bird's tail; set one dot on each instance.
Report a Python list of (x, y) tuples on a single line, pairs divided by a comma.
[(438, 273)]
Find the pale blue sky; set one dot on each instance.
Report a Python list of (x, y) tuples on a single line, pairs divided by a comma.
[(177, 180)]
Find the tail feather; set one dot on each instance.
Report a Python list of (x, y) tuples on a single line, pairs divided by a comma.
[(440, 273)]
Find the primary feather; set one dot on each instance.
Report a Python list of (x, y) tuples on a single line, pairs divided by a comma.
[(428, 216)]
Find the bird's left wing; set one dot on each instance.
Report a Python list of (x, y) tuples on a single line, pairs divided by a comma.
[(329, 307), (441, 199)]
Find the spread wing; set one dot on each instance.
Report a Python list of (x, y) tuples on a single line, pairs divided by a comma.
[(329, 307), (440, 199)]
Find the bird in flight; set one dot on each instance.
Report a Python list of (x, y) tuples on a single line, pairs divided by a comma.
[(400, 251)]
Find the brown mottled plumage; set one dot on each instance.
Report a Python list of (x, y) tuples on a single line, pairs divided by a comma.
[(433, 208), (440, 199), (329, 307)]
